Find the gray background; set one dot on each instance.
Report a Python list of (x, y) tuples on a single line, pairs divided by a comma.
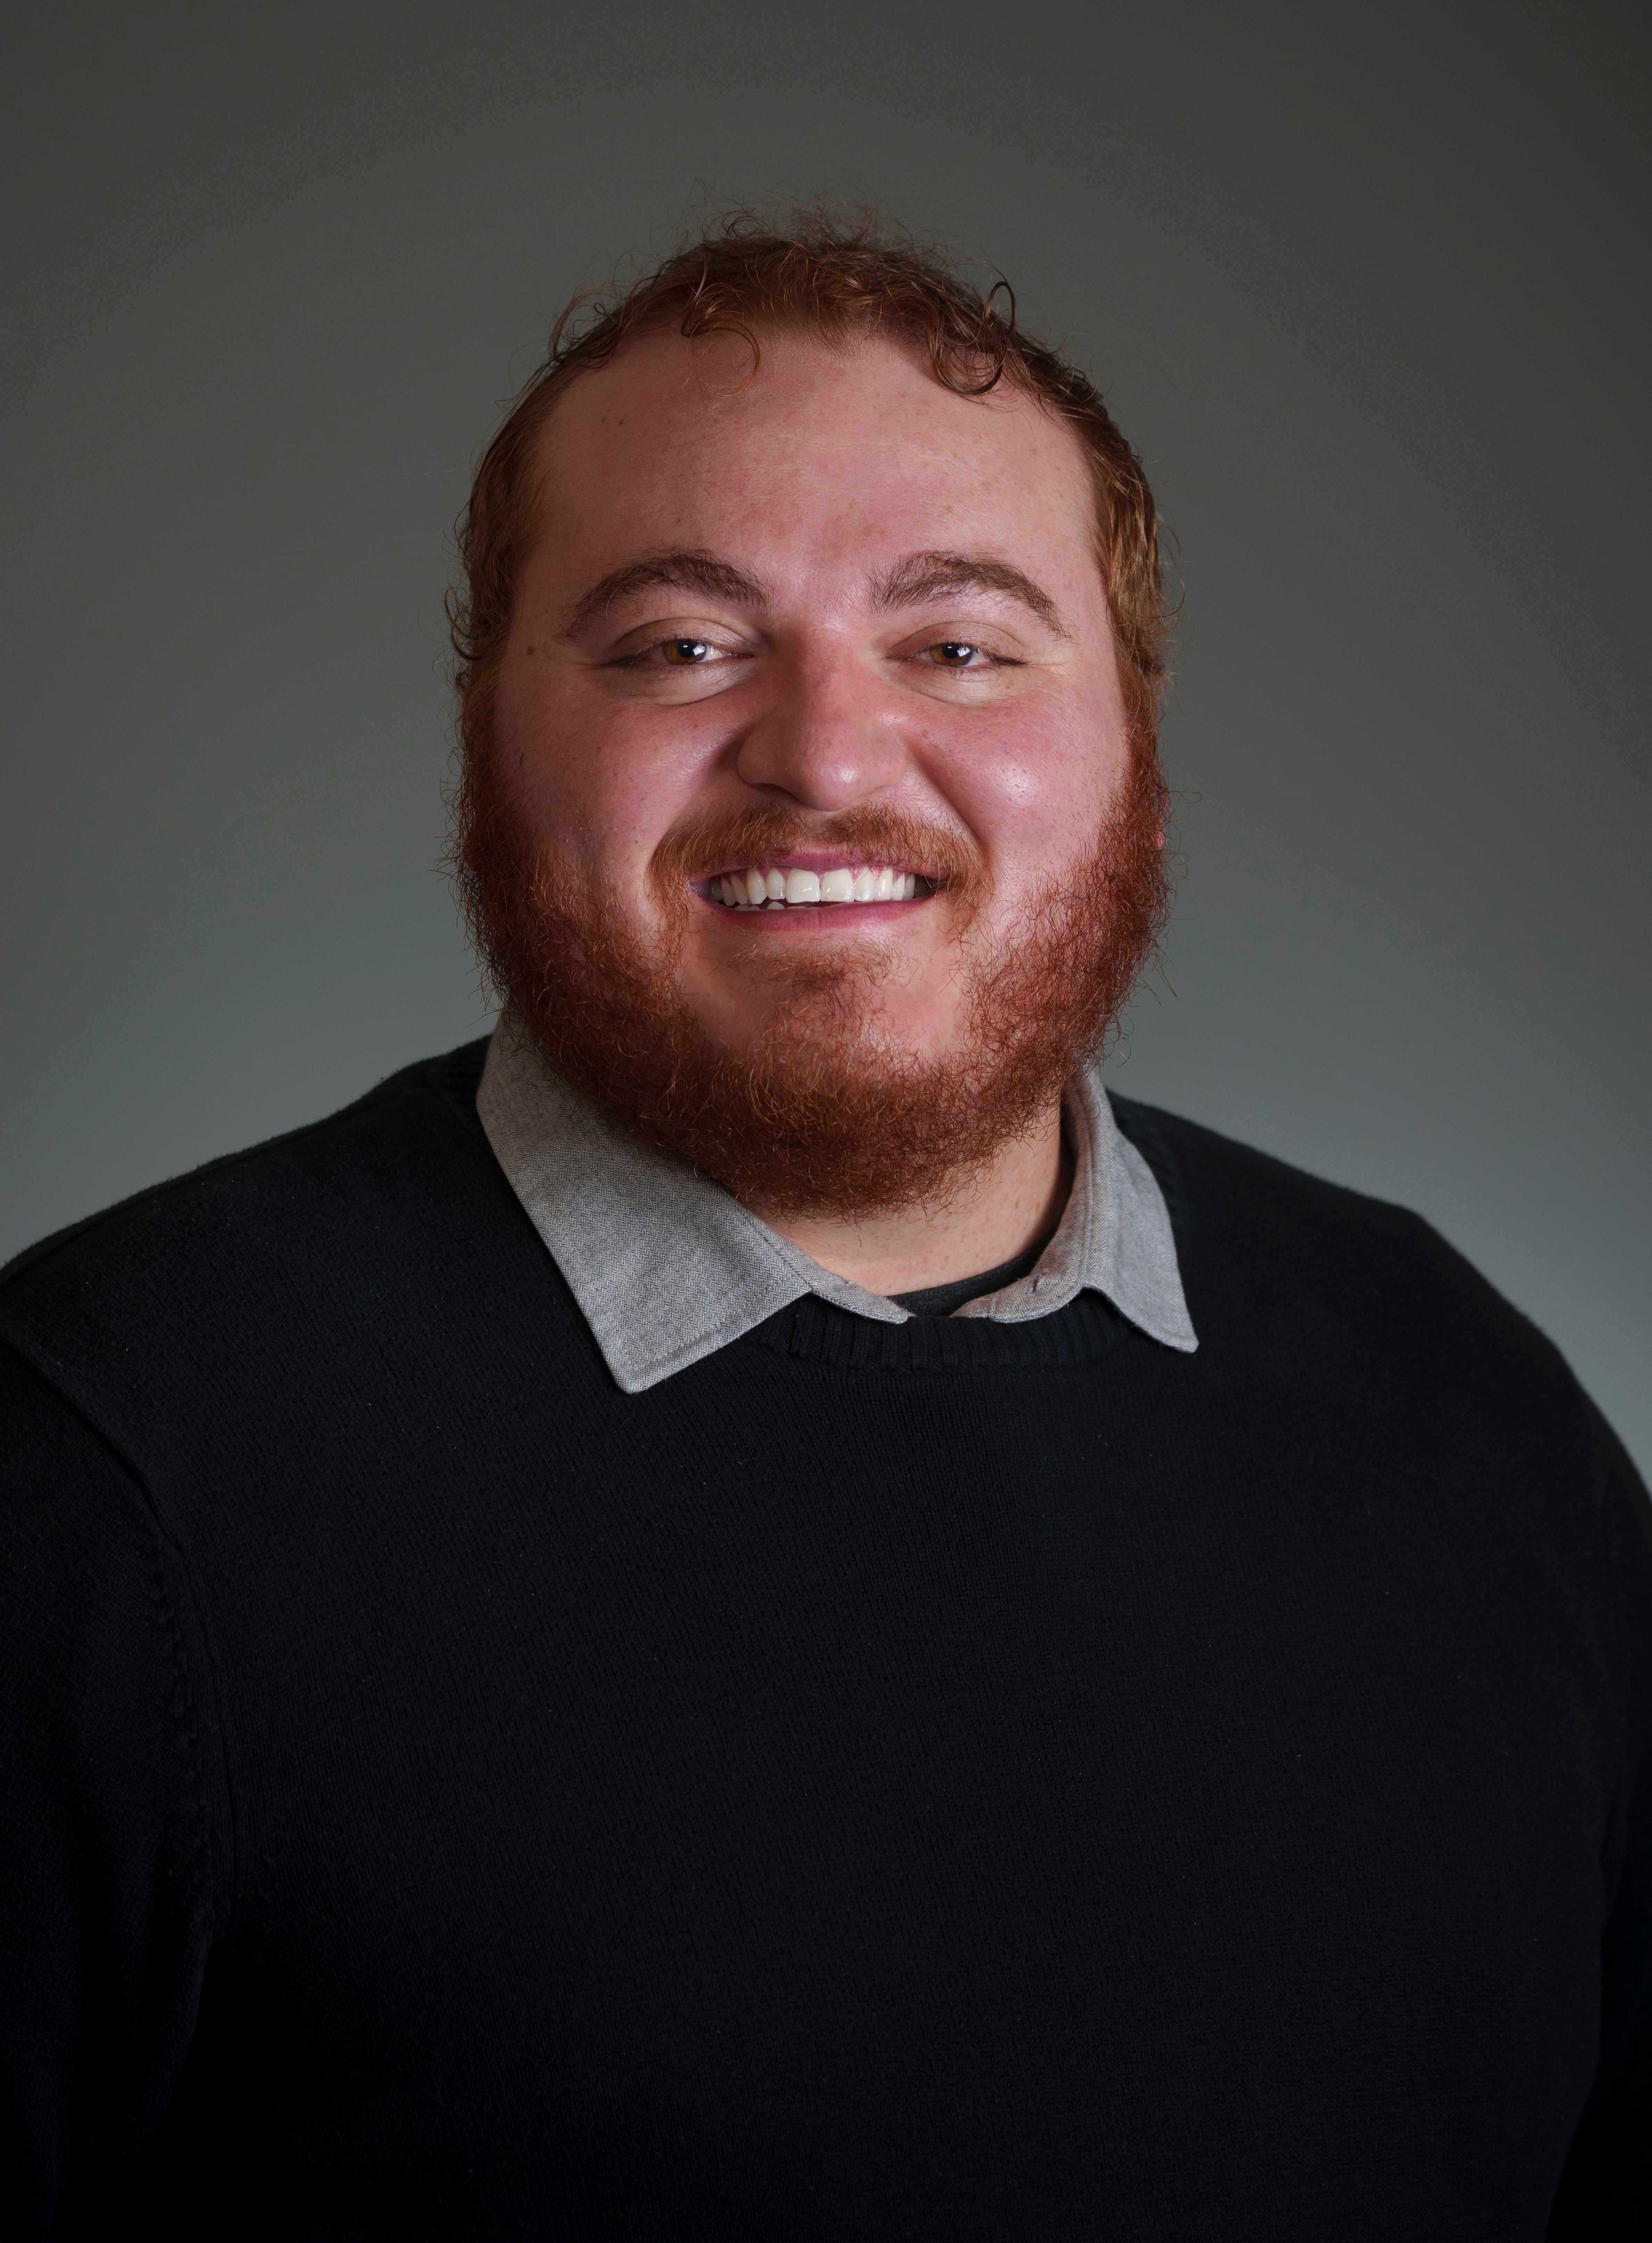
[(1366, 285)]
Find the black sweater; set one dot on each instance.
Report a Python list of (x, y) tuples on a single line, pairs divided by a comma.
[(946, 1781)]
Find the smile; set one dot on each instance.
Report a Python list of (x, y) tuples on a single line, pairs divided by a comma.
[(778, 887)]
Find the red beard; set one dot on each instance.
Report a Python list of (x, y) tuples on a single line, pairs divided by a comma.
[(821, 1114)]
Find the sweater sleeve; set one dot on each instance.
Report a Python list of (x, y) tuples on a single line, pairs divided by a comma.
[(106, 1848), (1605, 2193)]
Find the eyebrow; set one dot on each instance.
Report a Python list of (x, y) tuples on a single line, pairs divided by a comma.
[(919, 577), (924, 577), (686, 571)]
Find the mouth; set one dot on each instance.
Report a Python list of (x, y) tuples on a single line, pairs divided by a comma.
[(794, 886)]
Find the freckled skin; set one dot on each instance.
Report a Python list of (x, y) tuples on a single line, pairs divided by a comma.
[(814, 477)]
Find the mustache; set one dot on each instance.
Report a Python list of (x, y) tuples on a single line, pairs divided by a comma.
[(867, 832)]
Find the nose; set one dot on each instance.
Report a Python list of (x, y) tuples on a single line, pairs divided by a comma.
[(826, 738)]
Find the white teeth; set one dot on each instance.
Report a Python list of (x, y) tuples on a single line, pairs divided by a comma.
[(751, 889)]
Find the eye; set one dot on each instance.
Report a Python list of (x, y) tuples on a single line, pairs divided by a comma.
[(684, 652), (959, 657)]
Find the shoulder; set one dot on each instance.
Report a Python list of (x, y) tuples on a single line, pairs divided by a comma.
[(1334, 1278), (1216, 1185), (273, 1235), (406, 1130)]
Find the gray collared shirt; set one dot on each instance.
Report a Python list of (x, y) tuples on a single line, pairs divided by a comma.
[(667, 1268)]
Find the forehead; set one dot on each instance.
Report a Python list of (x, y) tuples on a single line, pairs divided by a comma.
[(817, 453)]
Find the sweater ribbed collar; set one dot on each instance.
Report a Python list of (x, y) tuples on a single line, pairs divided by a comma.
[(667, 1268)]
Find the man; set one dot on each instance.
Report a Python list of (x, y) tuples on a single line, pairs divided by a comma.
[(750, 1610)]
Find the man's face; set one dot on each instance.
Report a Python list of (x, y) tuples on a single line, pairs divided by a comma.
[(835, 609)]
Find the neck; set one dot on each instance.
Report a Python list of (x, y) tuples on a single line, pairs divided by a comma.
[(1004, 1209)]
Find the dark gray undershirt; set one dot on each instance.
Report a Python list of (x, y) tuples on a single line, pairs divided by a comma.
[(943, 1300)]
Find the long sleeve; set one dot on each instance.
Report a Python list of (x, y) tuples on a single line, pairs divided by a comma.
[(1605, 2193), (105, 1819)]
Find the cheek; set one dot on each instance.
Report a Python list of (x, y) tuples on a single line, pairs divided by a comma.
[(1040, 783), (603, 782)]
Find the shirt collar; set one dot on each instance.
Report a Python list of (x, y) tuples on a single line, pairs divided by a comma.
[(667, 1268)]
